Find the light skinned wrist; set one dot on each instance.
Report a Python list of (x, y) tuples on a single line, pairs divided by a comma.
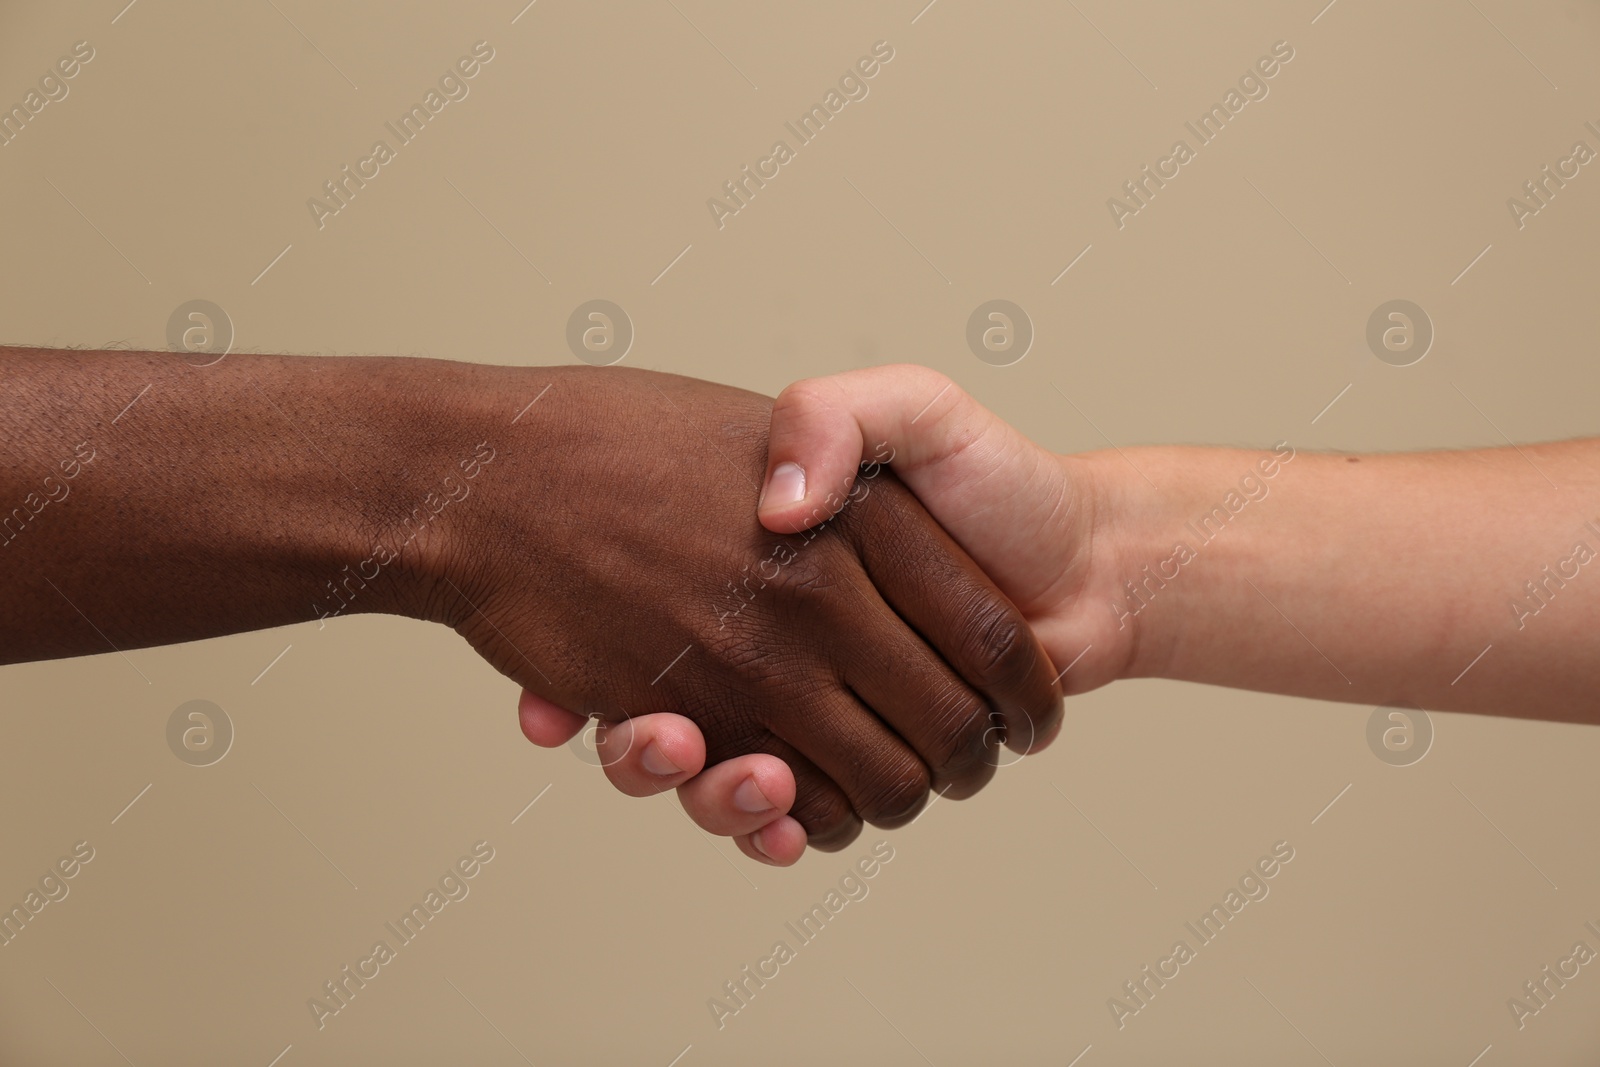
[(1171, 525)]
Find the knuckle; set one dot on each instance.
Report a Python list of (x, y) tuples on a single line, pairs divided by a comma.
[(836, 840), (998, 648), (806, 578), (929, 378), (972, 782), (825, 815), (805, 591), (963, 734), (799, 400), (895, 794)]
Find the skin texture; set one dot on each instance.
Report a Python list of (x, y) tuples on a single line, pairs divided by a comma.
[(650, 754), (580, 527), (1375, 579), (1455, 581)]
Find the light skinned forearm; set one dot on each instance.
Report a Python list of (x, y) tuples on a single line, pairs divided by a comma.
[(1455, 581), (144, 500)]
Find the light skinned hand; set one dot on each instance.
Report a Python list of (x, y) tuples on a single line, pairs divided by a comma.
[(746, 798), (1020, 511)]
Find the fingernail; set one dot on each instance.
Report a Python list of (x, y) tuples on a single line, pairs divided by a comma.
[(656, 762), (786, 486), (749, 797), (755, 843)]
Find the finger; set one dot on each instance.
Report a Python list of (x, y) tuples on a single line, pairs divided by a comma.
[(910, 416), (649, 754), (779, 843), (916, 693), (923, 575), (826, 819), (739, 796), (885, 780), (545, 724), (964, 463)]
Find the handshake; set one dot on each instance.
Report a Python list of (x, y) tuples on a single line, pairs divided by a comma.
[(803, 614), (834, 645), (891, 631)]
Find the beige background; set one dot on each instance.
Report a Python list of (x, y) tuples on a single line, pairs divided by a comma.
[(981, 163)]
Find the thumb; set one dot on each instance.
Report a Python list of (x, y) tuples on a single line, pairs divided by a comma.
[(993, 490)]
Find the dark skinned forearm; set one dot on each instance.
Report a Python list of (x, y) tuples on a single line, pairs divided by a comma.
[(145, 501)]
